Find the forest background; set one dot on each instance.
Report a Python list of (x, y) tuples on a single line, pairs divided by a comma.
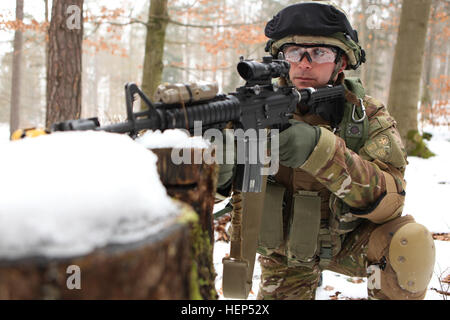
[(204, 40)]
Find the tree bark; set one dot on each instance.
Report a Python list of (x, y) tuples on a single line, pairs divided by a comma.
[(64, 67), (426, 94), (46, 10), (194, 184), (154, 46), (16, 72), (362, 35), (408, 61), (158, 267)]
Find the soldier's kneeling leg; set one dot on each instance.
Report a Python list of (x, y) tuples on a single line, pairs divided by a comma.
[(403, 252), (280, 282)]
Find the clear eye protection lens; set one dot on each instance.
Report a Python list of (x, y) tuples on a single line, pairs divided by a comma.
[(322, 55), (318, 55)]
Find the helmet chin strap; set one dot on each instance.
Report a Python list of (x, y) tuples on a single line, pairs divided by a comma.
[(335, 71)]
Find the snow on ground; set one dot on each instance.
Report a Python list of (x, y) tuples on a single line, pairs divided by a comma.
[(428, 184), (428, 189), (4, 133)]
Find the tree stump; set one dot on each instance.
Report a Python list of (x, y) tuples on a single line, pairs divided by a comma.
[(158, 267), (173, 263), (194, 184), (191, 183)]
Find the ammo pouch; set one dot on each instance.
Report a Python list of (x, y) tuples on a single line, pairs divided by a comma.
[(271, 232), (291, 226), (303, 227)]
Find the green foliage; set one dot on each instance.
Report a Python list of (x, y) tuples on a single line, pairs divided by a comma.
[(419, 147)]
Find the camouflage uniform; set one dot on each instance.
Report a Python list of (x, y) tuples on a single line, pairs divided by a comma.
[(353, 179), (340, 209)]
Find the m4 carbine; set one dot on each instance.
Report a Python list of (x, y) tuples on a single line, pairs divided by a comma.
[(259, 104)]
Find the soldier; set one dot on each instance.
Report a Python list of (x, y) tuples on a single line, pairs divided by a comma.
[(336, 201)]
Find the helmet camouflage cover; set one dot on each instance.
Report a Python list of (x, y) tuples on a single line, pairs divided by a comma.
[(318, 22)]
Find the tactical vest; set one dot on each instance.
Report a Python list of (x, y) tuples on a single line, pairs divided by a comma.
[(302, 220)]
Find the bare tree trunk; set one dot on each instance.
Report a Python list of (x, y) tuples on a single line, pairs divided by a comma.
[(46, 40), (362, 34), (46, 10), (426, 94), (154, 46), (407, 68), (94, 90), (64, 61), (16, 69)]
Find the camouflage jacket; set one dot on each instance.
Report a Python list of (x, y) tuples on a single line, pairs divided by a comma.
[(356, 177), (350, 184)]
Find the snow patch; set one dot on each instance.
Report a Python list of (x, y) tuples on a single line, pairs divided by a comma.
[(67, 193), (4, 133), (172, 138)]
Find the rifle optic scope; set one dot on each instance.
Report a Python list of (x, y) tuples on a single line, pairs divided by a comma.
[(267, 69)]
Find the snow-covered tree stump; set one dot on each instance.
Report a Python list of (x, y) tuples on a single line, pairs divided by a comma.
[(90, 219), (158, 267), (191, 183), (194, 184)]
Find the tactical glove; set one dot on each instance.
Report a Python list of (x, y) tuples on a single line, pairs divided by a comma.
[(225, 174), (226, 169), (297, 143)]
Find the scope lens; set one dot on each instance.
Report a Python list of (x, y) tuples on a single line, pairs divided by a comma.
[(245, 70), (252, 70)]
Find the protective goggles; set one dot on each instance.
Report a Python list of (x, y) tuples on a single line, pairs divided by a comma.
[(317, 54)]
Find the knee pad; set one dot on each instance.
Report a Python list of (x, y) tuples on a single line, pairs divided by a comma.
[(405, 253)]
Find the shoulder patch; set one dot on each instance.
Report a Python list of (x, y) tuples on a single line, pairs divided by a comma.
[(386, 145), (379, 147)]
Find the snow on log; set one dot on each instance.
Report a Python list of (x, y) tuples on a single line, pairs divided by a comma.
[(84, 215), (187, 170), (183, 170)]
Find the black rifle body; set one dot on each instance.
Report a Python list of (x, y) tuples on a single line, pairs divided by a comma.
[(258, 105)]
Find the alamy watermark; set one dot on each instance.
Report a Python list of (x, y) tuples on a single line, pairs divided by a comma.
[(375, 15), (74, 279), (374, 277), (73, 20), (374, 12), (233, 146)]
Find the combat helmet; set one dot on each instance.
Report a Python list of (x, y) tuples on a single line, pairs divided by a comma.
[(315, 22)]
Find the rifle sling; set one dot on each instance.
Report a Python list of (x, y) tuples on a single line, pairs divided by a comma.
[(238, 268)]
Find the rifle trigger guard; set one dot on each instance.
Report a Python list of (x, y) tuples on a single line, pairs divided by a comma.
[(363, 108)]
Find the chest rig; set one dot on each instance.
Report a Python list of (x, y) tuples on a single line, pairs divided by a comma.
[(302, 220)]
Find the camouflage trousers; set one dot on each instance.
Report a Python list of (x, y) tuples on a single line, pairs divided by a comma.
[(281, 282)]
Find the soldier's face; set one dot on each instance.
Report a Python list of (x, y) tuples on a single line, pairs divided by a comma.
[(306, 74)]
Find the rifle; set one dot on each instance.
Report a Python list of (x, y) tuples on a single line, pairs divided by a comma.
[(259, 104)]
